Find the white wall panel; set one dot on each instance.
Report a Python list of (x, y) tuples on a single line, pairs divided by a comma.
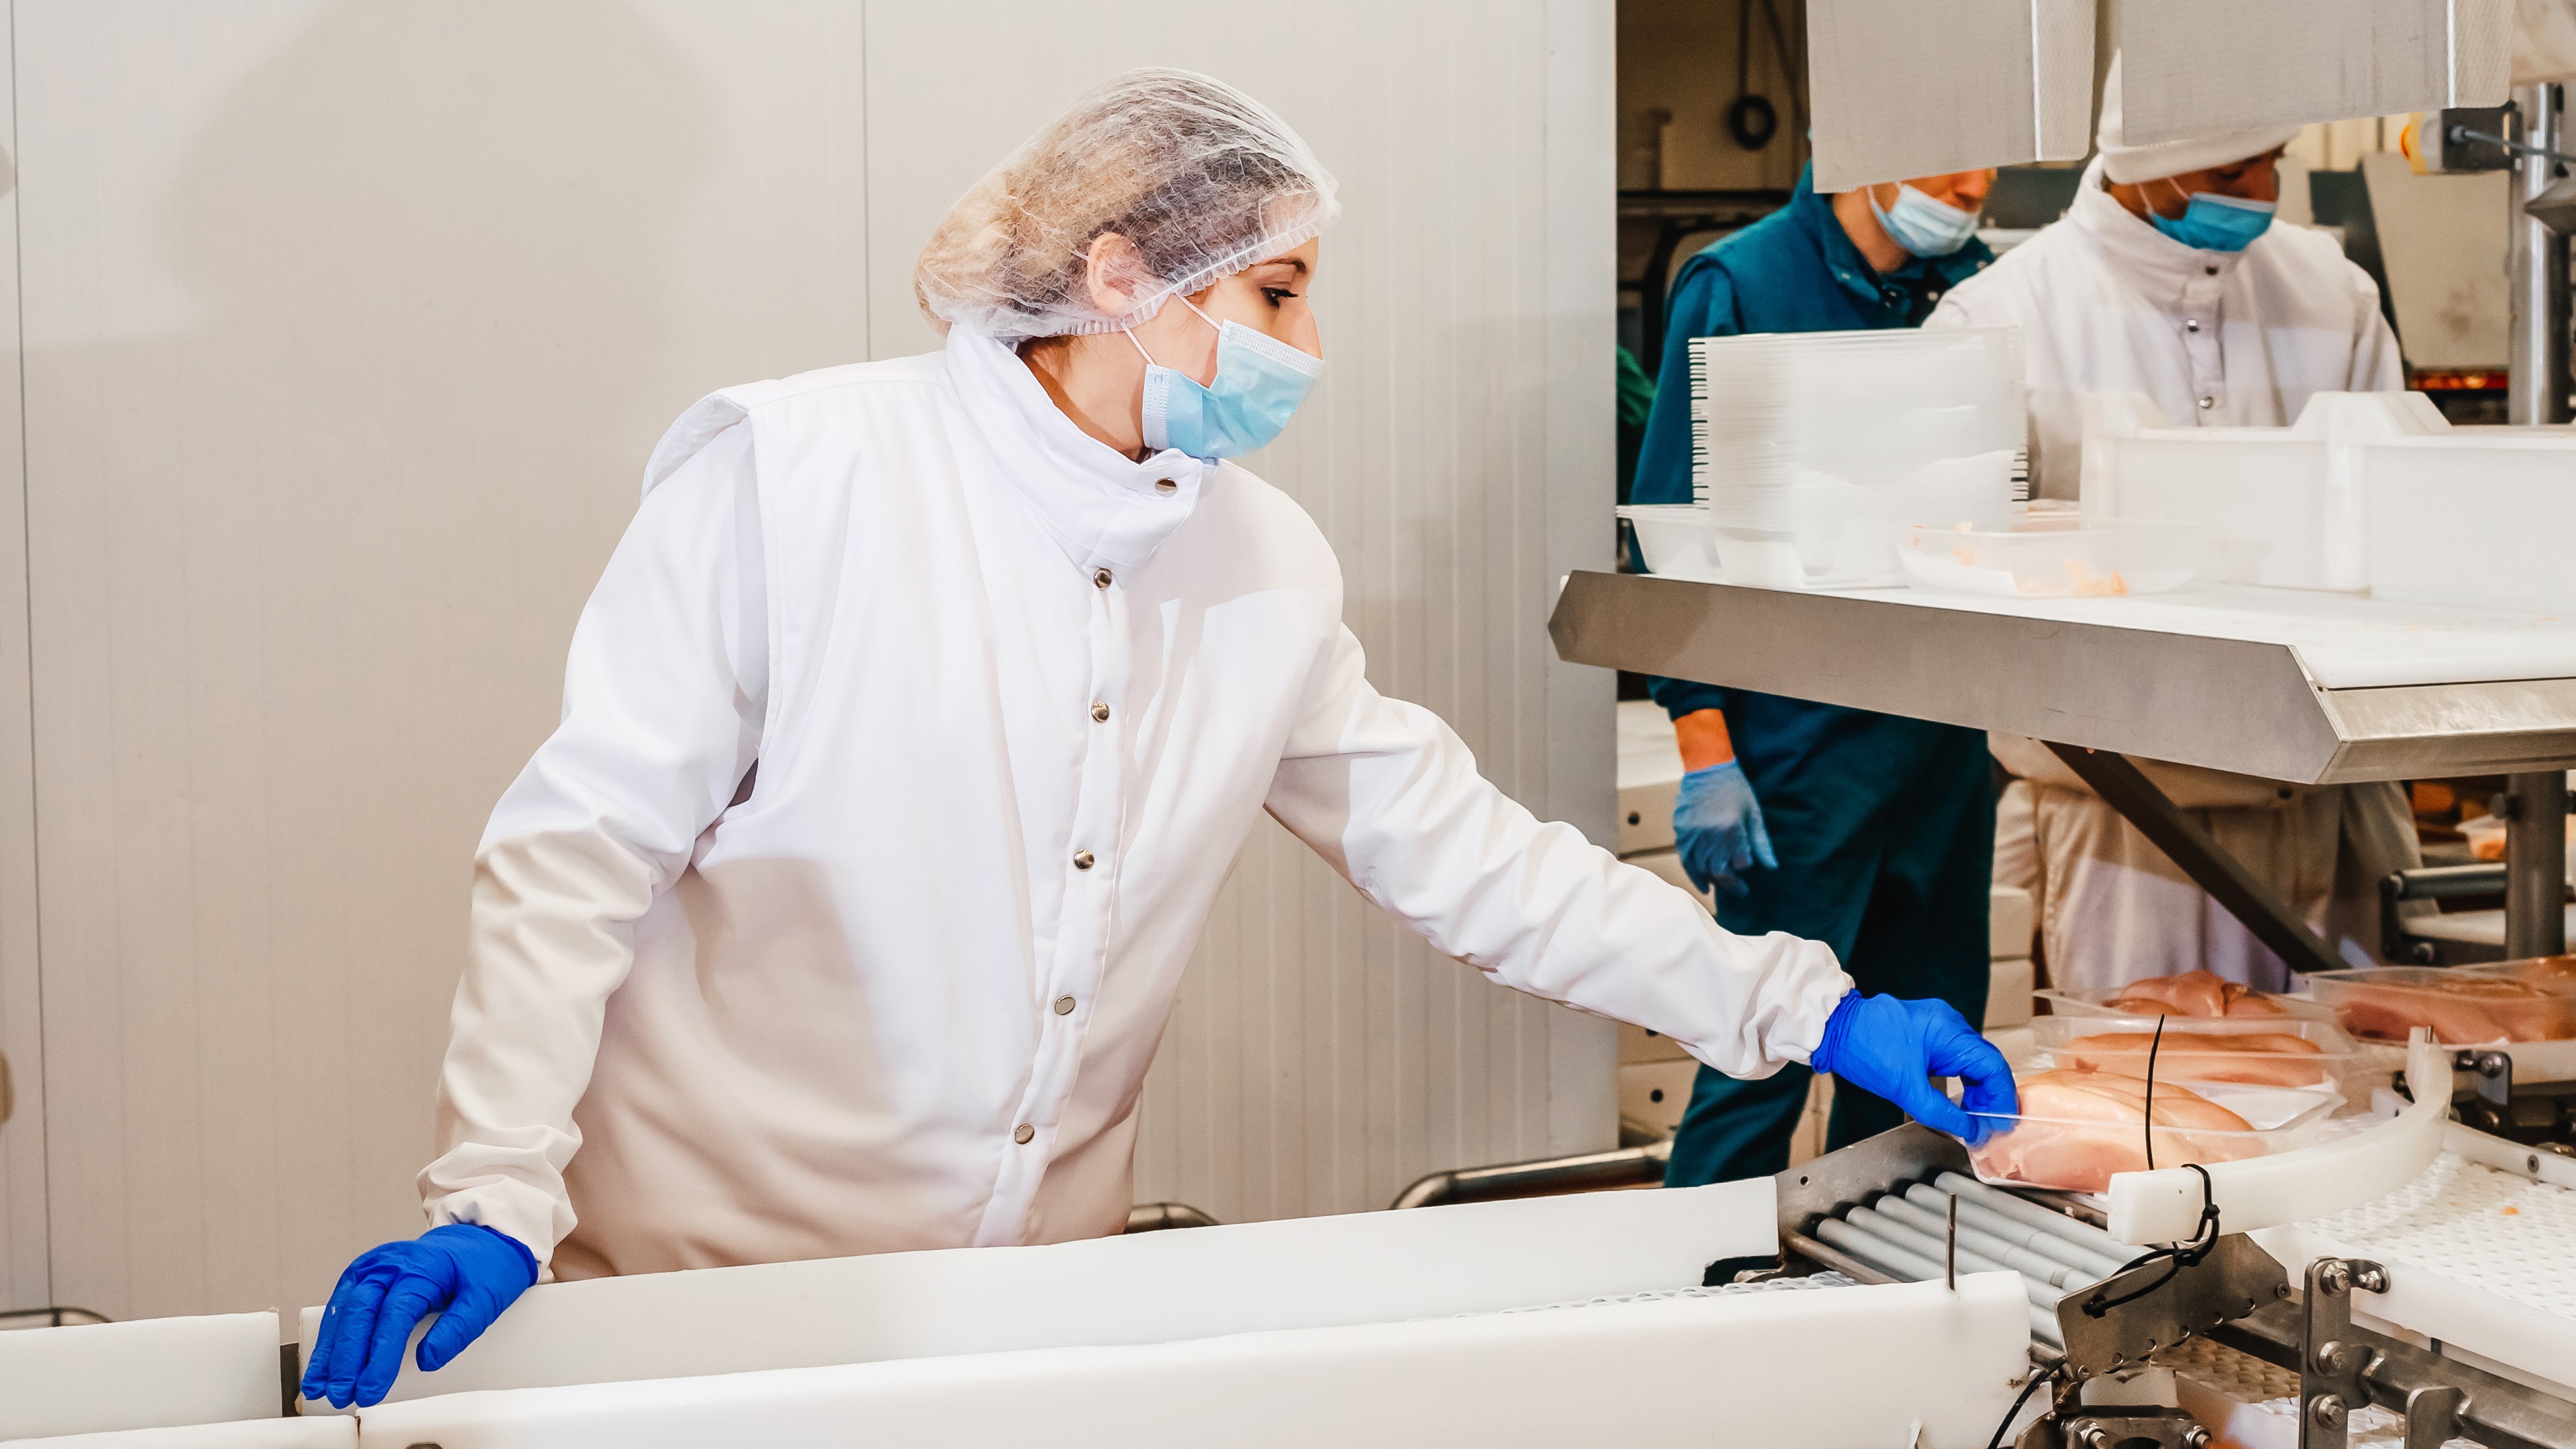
[(25, 1280), (1458, 454), (349, 325)]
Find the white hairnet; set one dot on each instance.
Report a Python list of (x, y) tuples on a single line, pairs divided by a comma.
[(1200, 177), (2129, 165)]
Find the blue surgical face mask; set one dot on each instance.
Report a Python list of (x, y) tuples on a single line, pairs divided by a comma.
[(1923, 224), (2216, 223), (1259, 382)]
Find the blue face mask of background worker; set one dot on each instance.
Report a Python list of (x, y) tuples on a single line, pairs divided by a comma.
[(2216, 223), (1923, 224), (1259, 382)]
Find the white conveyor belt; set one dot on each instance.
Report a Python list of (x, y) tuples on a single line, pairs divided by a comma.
[(2346, 641), (2481, 1255), (1863, 1367)]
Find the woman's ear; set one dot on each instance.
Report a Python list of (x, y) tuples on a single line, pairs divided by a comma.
[(1113, 273)]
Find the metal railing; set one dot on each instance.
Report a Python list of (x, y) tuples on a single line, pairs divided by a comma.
[(1625, 1167)]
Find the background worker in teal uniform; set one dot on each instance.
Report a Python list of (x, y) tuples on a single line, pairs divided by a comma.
[(1871, 833)]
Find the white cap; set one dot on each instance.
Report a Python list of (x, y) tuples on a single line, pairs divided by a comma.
[(2129, 165)]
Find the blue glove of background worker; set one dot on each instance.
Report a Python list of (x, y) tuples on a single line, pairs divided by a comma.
[(1889, 1046), (464, 1272), (1717, 827)]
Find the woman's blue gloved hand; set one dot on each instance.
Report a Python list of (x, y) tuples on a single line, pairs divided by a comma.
[(1717, 826), (1890, 1046), (463, 1272)]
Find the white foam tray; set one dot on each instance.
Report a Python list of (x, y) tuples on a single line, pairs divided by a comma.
[(331, 1433)]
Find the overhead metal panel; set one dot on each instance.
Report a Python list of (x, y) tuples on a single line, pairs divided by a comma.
[(2208, 67), (1904, 89)]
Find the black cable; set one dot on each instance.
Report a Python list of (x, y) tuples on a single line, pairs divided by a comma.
[(2041, 1377), (2153, 1043), (2180, 1255)]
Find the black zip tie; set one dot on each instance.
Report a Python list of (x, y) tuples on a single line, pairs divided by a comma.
[(2180, 1255)]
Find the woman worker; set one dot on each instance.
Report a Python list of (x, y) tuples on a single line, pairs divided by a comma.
[(908, 737)]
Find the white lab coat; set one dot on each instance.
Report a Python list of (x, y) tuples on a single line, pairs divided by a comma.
[(2107, 303), (1014, 701)]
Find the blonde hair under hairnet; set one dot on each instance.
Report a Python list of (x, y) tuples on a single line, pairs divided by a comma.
[(1202, 179)]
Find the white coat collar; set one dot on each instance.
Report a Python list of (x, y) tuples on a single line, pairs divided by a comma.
[(2148, 259), (1102, 508)]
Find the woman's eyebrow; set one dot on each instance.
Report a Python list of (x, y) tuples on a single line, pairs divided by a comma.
[(1298, 262)]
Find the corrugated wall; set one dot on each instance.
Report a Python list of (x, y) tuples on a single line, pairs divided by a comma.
[(348, 325)]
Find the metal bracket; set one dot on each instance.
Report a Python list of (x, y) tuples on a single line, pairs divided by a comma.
[(2334, 1366), (2126, 788), (2125, 1426), (2233, 1281), (2432, 1416)]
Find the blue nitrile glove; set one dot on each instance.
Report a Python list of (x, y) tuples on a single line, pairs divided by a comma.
[(1717, 826), (464, 1272), (1889, 1046)]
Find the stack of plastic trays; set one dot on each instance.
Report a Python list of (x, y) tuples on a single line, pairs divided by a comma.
[(1775, 412)]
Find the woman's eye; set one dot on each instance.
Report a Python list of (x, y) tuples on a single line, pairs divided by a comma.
[(1276, 295)]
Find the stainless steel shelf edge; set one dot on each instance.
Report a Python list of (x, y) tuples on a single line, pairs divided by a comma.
[(2226, 704)]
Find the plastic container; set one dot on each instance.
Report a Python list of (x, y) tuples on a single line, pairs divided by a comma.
[(2473, 516), (2096, 1001), (2470, 1006), (2083, 1155), (1678, 540), (2120, 1044), (2049, 556)]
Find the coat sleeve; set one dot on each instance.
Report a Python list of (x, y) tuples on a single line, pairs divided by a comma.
[(663, 700), (1391, 797), (2377, 365)]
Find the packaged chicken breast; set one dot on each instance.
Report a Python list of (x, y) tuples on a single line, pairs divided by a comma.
[(2077, 1127), (2470, 1006), (2192, 993), (2283, 1051)]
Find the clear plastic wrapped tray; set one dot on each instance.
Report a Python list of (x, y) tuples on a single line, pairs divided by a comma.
[(2050, 1148), (2301, 1052), (2044, 557), (2097, 1001), (2470, 1006)]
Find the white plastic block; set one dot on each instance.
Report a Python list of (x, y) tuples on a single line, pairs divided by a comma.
[(1153, 1287), (2286, 63), (1855, 1366), (330, 1433), (2477, 516), (2288, 504), (151, 1373), (2008, 988), (2011, 918), (1906, 89)]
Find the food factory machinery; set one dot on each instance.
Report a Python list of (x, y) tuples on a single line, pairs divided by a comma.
[(2301, 687), (1879, 1297)]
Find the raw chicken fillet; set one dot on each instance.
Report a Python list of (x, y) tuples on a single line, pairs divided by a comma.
[(2193, 993), (2079, 1126), (2263, 1058)]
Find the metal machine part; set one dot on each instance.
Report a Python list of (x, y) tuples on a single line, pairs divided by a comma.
[(1626, 1166), (2535, 919), (2429, 883), (2343, 1365), (1851, 1212), (2537, 335)]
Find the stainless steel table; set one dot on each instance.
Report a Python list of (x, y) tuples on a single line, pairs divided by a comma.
[(2302, 688)]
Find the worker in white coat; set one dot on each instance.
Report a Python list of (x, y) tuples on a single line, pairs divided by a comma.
[(907, 740), (2167, 277)]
